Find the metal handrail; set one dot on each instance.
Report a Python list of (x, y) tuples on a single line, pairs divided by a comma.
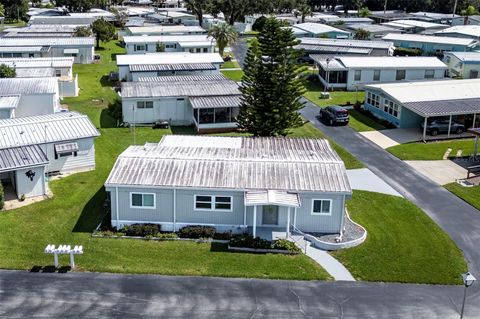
[(295, 229)]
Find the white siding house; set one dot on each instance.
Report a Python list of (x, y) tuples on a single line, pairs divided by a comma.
[(463, 65), (188, 192), (166, 30), (199, 43), (461, 31), (65, 138), (317, 30), (346, 47), (61, 68), (35, 96), (82, 49), (131, 67), (352, 73), (211, 103)]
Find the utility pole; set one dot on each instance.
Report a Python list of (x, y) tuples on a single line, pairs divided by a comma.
[(385, 7), (454, 9)]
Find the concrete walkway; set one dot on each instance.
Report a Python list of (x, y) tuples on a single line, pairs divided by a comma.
[(441, 172), (364, 179), (335, 268), (379, 138)]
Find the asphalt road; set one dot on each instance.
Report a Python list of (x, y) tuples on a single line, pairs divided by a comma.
[(240, 50), (459, 219), (91, 295)]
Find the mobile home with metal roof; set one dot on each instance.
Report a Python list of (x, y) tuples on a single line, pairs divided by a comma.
[(226, 182), (198, 43)]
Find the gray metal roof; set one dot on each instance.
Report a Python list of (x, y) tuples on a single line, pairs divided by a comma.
[(348, 43), (445, 107), (58, 127), (9, 101), (34, 73), (52, 42), (171, 67), (167, 89), (49, 20), (237, 163), (37, 35), (183, 78), (22, 49), (28, 86), (21, 157), (50, 62), (333, 49), (207, 102)]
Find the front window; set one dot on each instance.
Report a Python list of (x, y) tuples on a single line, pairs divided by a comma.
[(142, 200), (358, 75), (140, 47), (58, 73), (145, 105), (321, 207), (391, 108), (400, 75), (376, 75), (429, 74), (213, 203)]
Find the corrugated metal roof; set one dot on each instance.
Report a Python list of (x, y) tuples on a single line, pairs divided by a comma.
[(58, 127), (171, 67), (51, 62), (9, 101), (28, 86), (61, 20), (206, 102), (166, 89), (465, 30), (271, 197), (239, 163), (166, 29), (318, 28), (382, 62), (333, 49), (21, 49), (168, 58), (348, 43), (444, 108), (21, 157), (428, 39), (35, 72), (19, 35), (183, 78), (168, 38), (42, 28), (62, 41)]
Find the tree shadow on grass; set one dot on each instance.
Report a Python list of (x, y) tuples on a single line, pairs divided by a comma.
[(113, 56), (183, 130), (105, 82), (92, 213), (106, 120)]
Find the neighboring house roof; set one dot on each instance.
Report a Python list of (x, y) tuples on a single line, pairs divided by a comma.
[(42, 28), (41, 129), (183, 78), (433, 15), (206, 102), (26, 86), (434, 98), (34, 72), (166, 29), (61, 20), (472, 31), (348, 43), (428, 39), (50, 62), (383, 62), (9, 101), (21, 157), (179, 38), (172, 89), (39, 41), (336, 19), (372, 28), (24, 49), (171, 67), (236, 163), (406, 24), (333, 49), (465, 56), (271, 197), (318, 28), (171, 14), (168, 58)]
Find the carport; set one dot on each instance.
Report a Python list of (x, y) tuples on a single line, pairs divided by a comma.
[(445, 108)]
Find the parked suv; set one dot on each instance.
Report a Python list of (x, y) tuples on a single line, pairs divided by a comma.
[(334, 115), (441, 126)]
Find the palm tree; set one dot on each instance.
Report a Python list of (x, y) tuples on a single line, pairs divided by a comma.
[(304, 10), (224, 34), (364, 12), (361, 34), (469, 11)]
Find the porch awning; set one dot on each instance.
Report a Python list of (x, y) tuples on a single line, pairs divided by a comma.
[(272, 197), (66, 148), (71, 51), (15, 158), (206, 102)]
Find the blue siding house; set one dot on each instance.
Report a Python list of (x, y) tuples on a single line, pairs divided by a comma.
[(431, 45)]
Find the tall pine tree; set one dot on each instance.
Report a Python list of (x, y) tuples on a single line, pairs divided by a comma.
[(271, 84)]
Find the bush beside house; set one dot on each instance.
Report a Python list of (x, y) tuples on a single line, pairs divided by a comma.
[(2, 197)]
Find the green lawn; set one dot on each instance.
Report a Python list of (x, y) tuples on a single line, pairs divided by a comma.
[(469, 194), (235, 75), (431, 150), (358, 121), (230, 65), (76, 209), (403, 244)]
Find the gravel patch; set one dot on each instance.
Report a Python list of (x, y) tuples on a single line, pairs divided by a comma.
[(351, 232)]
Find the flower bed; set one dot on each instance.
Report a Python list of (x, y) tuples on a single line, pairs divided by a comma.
[(247, 243)]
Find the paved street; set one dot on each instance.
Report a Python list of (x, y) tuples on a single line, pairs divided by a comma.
[(239, 49), (91, 295), (460, 220)]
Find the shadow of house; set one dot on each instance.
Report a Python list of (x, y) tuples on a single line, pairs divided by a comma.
[(92, 213)]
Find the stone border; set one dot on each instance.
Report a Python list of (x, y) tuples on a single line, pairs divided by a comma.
[(336, 246), (262, 250)]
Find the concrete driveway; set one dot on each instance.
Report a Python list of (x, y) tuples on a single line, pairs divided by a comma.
[(441, 172)]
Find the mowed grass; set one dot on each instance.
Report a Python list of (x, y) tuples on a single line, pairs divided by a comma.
[(469, 194), (76, 209), (358, 121), (235, 75), (403, 243), (230, 65), (431, 150)]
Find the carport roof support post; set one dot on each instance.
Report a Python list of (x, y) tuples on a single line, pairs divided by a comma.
[(425, 128), (449, 125)]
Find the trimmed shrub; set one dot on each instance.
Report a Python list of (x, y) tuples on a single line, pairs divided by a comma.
[(142, 230), (223, 236), (283, 244), (196, 232), (407, 52), (2, 197), (247, 241)]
